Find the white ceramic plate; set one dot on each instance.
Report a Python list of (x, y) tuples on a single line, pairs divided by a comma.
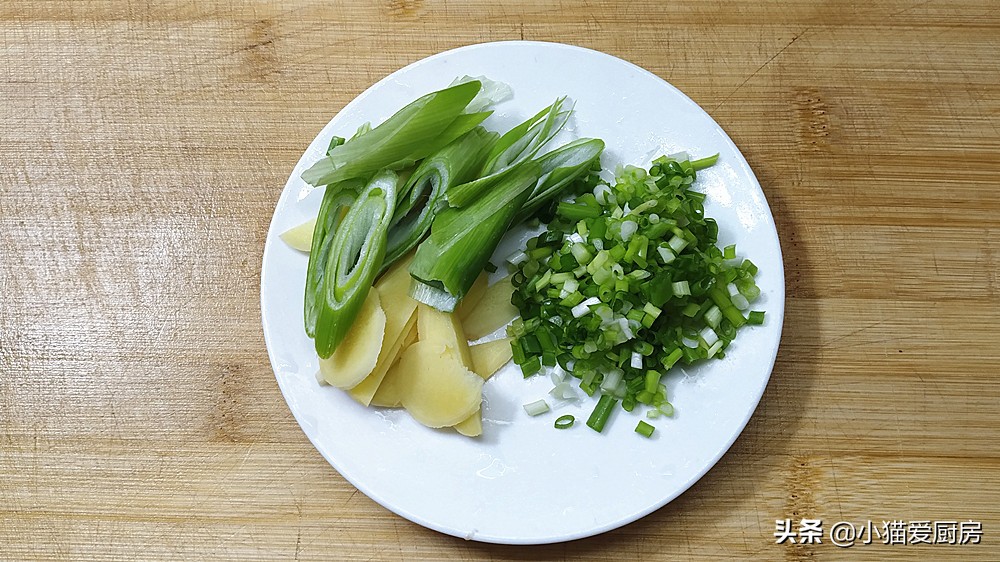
[(523, 481)]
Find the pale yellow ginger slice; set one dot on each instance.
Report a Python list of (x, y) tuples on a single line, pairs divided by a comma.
[(471, 426), (300, 237), (365, 391), (472, 297), (390, 391), (487, 358), (437, 390), (492, 312), (357, 354), (400, 316), (434, 326)]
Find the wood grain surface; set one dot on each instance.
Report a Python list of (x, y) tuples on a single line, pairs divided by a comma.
[(143, 146)]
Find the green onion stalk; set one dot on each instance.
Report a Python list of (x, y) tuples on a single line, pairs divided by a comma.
[(462, 240), (352, 259), (424, 193), (515, 147), (414, 132)]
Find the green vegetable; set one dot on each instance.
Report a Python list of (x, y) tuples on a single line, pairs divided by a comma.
[(465, 235), (462, 240), (599, 417), (336, 200), (421, 128), (559, 168), (515, 147), (644, 429), (352, 259), (565, 422), (425, 191), (627, 282)]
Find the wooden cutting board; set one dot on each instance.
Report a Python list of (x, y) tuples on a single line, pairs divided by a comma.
[(142, 150)]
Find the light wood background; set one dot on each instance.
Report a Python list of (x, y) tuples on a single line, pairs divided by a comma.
[(143, 146)]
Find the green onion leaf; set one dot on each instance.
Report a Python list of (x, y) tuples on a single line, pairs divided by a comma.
[(462, 241), (414, 132), (425, 191), (515, 147)]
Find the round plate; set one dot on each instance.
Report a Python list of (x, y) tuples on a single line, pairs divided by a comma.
[(522, 481)]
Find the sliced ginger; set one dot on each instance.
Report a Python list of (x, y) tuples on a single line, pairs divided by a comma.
[(400, 314), (403, 353), (437, 390), (488, 357), (300, 237), (492, 312), (358, 353)]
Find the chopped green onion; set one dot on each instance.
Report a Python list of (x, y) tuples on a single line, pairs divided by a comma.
[(536, 408), (626, 282), (644, 429), (565, 422), (599, 417)]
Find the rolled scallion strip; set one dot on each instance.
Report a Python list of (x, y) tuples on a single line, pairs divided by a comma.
[(337, 198), (355, 257)]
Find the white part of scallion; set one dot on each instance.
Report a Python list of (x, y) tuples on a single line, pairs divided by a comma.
[(709, 335), (536, 408), (601, 193), (575, 238), (677, 244), (557, 374), (666, 255), (681, 288), (733, 290), (636, 361), (611, 380), (626, 328), (583, 308), (740, 302), (714, 349), (570, 286), (517, 258), (688, 342), (564, 391), (629, 228)]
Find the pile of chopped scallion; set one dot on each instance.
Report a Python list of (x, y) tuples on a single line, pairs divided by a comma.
[(625, 283)]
